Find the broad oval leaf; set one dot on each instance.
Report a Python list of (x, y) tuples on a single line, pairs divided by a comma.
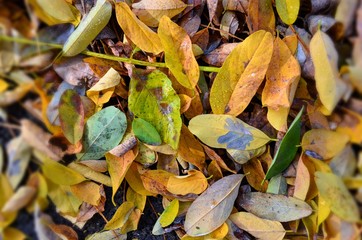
[(103, 131), (260, 228), (325, 60), (195, 182), (71, 115), (224, 131), (179, 57), (153, 99), (88, 29), (241, 74), (261, 15), (274, 207), (151, 11), (137, 31), (288, 10), (334, 192), (145, 132), (287, 148), (211, 209)]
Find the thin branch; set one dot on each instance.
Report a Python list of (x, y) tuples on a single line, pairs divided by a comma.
[(220, 30)]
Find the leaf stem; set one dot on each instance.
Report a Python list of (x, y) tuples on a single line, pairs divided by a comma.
[(100, 55)]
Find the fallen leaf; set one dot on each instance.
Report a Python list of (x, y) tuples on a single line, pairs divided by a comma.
[(150, 11), (120, 216), (133, 177), (137, 31), (155, 181), (325, 59), (64, 231), (288, 10), (110, 235), (243, 156), (146, 156), (138, 200), (217, 200), (88, 192), (261, 15), (218, 56), (88, 29), (339, 199), (278, 185), (132, 222), (233, 88), (255, 174), (145, 132), (274, 207), (156, 102), (19, 199), (287, 148), (302, 179), (103, 131), (351, 126), (195, 182), (169, 214), (258, 227)]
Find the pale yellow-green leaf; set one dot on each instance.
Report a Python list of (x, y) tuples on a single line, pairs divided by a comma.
[(170, 213), (241, 74), (325, 60), (120, 217), (151, 11), (195, 182), (258, 227), (288, 10), (3, 85), (337, 196), (225, 131), (138, 200), (137, 31)]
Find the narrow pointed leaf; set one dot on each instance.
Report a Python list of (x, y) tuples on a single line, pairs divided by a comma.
[(120, 217), (287, 148), (145, 132), (217, 200), (179, 57)]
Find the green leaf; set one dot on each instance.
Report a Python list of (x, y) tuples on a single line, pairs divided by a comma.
[(88, 29), (153, 99), (170, 213), (287, 149), (225, 131), (288, 10), (334, 192), (211, 209), (146, 132), (103, 131), (71, 115), (277, 185)]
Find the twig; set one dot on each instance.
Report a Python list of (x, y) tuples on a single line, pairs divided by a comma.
[(220, 30), (100, 55), (306, 48)]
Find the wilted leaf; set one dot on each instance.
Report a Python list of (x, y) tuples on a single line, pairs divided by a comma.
[(258, 227), (64, 231), (321, 144), (138, 200), (71, 115), (170, 213), (88, 29), (151, 11), (65, 12), (88, 192), (217, 57), (278, 185), (155, 181), (217, 200), (274, 207), (339, 199), (146, 156), (195, 182), (133, 177), (351, 126), (103, 131), (118, 167), (255, 174), (145, 132), (287, 148), (325, 59), (179, 57), (288, 10), (137, 31), (224, 131), (120, 216), (243, 156), (261, 15), (234, 87), (153, 99), (229, 24)]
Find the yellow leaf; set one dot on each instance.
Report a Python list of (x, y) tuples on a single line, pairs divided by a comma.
[(13, 234), (323, 210), (283, 71), (19, 199), (155, 181), (261, 15), (87, 191), (351, 126), (288, 10), (151, 11), (258, 227), (337, 196), (55, 11), (137, 31), (132, 222), (256, 174), (179, 57), (3, 85), (241, 74), (138, 200), (120, 217), (325, 59), (321, 143), (133, 178), (219, 233), (170, 213), (278, 118), (195, 182), (118, 167), (310, 222)]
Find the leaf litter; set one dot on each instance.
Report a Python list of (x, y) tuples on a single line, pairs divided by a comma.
[(181, 100)]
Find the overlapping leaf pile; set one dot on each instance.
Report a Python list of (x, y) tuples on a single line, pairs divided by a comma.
[(264, 146)]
